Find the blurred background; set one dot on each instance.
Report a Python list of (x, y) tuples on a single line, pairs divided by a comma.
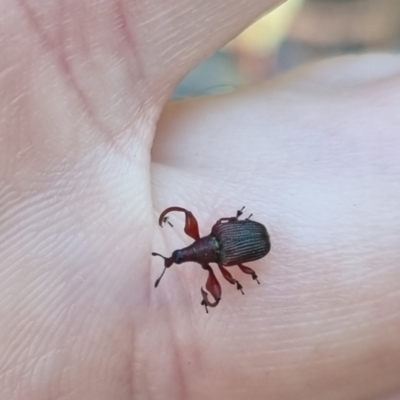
[(295, 33)]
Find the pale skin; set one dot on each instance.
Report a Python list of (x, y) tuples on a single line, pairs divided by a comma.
[(85, 173)]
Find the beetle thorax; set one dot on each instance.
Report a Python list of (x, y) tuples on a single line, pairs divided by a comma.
[(203, 251)]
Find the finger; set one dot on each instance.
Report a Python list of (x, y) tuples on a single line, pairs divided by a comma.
[(106, 69)]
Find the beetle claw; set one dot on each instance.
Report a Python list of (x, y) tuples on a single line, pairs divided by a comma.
[(239, 287), (165, 220), (206, 303), (255, 277), (205, 306), (239, 212)]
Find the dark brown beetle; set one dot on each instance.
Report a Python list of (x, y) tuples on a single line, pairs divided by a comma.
[(231, 242)]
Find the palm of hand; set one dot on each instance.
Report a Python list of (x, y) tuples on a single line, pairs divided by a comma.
[(82, 319)]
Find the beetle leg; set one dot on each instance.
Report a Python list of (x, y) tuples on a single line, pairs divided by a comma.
[(249, 271), (238, 214), (168, 261), (227, 275), (191, 225), (213, 286)]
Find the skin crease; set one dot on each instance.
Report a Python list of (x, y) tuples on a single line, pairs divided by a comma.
[(84, 175)]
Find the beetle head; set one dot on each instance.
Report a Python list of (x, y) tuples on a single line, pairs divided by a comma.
[(177, 257)]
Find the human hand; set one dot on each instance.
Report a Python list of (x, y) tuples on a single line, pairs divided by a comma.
[(82, 87)]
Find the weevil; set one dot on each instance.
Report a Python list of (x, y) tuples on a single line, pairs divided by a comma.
[(231, 242)]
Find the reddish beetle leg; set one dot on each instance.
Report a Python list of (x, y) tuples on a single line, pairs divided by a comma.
[(213, 287), (249, 271), (192, 230), (191, 225), (227, 275)]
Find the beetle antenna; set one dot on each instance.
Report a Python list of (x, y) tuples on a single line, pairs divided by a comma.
[(167, 263), (159, 255), (159, 279)]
